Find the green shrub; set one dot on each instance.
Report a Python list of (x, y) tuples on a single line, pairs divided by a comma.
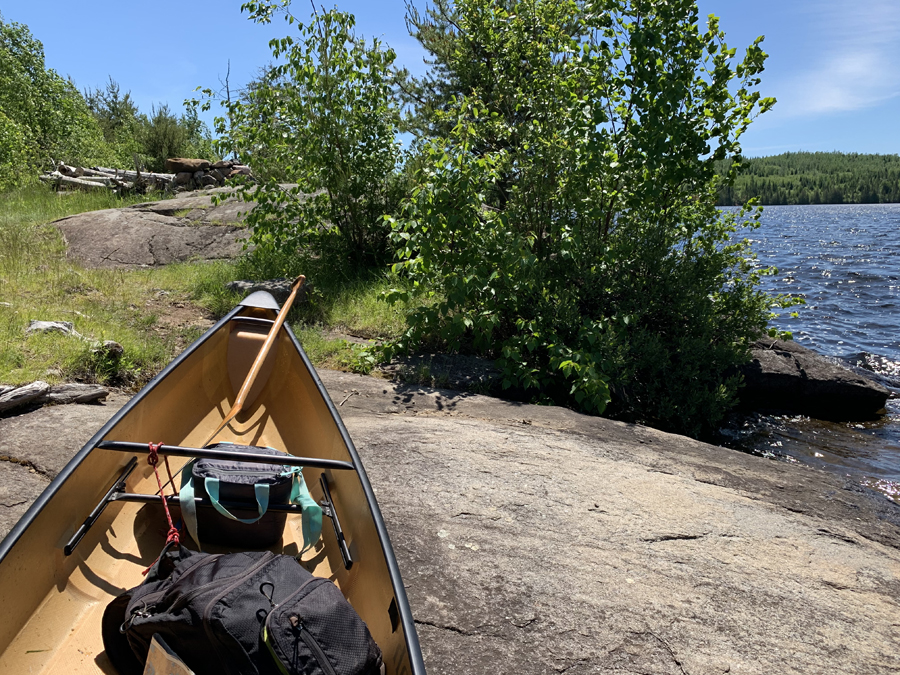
[(567, 226), (16, 152), (324, 120)]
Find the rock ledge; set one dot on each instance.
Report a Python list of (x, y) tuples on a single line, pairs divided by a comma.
[(786, 377)]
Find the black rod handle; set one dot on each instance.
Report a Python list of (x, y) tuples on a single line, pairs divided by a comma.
[(117, 486), (331, 512), (213, 453)]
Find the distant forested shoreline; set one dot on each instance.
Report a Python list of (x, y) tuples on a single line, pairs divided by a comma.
[(816, 178)]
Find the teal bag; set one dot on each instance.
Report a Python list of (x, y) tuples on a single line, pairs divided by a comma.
[(257, 486)]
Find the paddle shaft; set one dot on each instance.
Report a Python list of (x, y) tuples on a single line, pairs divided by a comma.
[(250, 380)]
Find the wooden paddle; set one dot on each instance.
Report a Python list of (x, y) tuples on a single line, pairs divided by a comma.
[(260, 358)]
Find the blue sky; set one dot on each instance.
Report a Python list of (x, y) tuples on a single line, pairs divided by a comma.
[(834, 65)]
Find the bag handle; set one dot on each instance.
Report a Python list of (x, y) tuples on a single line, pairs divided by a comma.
[(260, 490)]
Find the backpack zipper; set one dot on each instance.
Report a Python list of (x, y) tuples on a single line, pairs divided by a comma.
[(314, 647), (149, 601), (238, 579), (240, 472), (305, 635), (187, 597)]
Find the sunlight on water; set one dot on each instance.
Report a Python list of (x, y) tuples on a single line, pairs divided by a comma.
[(844, 260)]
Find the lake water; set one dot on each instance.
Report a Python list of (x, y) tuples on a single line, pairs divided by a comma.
[(845, 261)]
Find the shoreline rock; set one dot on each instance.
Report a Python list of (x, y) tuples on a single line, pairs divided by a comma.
[(787, 377), (782, 377)]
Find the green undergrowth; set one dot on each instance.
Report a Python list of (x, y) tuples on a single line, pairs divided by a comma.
[(340, 303), (153, 313)]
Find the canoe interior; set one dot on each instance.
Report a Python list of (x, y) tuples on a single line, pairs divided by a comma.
[(53, 603)]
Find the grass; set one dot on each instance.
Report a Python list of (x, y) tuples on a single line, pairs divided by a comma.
[(339, 302), (353, 307), (153, 313), (131, 307)]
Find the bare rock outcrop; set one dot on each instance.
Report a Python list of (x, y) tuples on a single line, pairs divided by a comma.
[(197, 208), (784, 376), (154, 234), (535, 540)]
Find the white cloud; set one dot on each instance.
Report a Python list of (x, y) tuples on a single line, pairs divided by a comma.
[(855, 59)]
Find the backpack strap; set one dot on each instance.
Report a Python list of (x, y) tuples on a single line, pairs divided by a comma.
[(188, 505), (311, 512)]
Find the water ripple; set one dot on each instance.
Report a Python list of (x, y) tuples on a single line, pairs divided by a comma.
[(843, 259)]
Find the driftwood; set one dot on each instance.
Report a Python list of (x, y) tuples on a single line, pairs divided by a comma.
[(81, 178), (40, 392), (71, 171), (128, 174), (97, 179), (126, 180), (22, 395), (73, 182)]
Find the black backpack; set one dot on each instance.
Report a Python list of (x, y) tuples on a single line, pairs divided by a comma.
[(255, 612)]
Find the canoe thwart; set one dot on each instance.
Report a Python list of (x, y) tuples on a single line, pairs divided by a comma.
[(228, 455), (174, 500), (328, 510), (117, 486)]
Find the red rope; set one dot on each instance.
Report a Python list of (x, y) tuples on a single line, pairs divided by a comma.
[(153, 460)]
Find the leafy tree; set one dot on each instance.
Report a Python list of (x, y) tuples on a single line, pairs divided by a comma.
[(119, 119), (116, 113), (566, 224), (322, 118), (428, 96), (42, 115), (16, 151), (162, 137), (198, 140), (155, 138)]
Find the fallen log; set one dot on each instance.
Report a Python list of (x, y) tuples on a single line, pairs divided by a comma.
[(99, 174), (133, 175), (22, 395), (59, 179), (105, 180), (72, 171)]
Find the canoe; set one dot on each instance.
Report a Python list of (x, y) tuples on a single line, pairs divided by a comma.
[(100, 523)]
